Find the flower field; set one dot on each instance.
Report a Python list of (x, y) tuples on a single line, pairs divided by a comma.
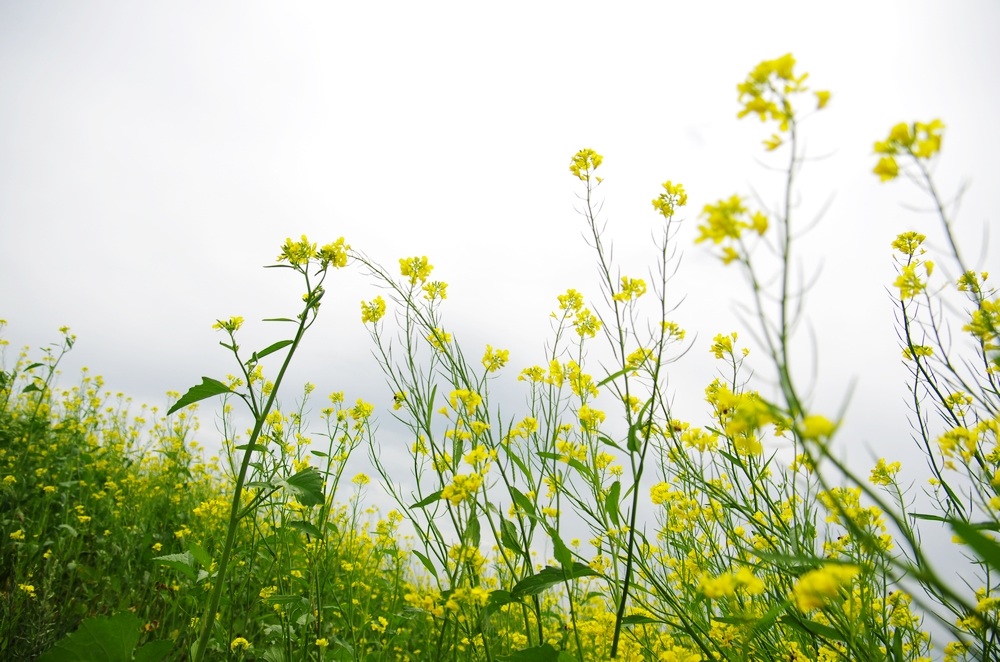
[(588, 520)]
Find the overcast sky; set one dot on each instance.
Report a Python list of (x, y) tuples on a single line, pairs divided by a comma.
[(154, 155)]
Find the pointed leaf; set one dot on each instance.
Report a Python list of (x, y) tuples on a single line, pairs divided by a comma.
[(154, 651), (508, 537), (199, 554), (496, 600), (812, 627), (209, 387), (549, 576), (613, 377), (306, 527), (639, 619), (426, 563), (522, 502), (768, 619), (611, 502), (583, 469), (306, 485), (560, 550), (183, 563), (986, 549), (270, 349), (472, 533), (607, 440), (427, 500), (100, 639)]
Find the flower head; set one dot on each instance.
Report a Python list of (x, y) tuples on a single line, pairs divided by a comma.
[(584, 163)]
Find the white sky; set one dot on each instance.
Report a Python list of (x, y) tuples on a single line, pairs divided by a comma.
[(153, 156)]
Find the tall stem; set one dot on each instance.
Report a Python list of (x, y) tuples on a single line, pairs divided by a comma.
[(208, 620)]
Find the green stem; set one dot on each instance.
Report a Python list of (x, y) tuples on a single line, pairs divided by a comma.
[(234, 513)]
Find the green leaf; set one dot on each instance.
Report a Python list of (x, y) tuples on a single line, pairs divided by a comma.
[(768, 619), (255, 448), (639, 619), (550, 576), (988, 526), (812, 627), (583, 469), (543, 653), (270, 349), (427, 563), (509, 537), (184, 563), (472, 533), (209, 387), (611, 502), (560, 550), (33, 366), (154, 651), (634, 444), (427, 500), (100, 639), (306, 527), (613, 377), (522, 502), (496, 600), (607, 440), (31, 388), (199, 554), (306, 485), (897, 644), (986, 549)]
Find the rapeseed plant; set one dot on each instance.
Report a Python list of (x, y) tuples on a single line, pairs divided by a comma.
[(705, 542)]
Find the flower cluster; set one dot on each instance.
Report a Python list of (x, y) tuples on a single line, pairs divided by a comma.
[(725, 221), (919, 140)]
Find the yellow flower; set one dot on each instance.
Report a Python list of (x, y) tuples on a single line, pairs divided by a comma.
[(673, 197), (817, 427), (586, 324), (883, 473), (469, 400), (631, 289), (909, 282), (239, 643), (435, 290), (817, 588), (572, 300), (909, 243), (335, 254), (590, 419), (372, 311), (27, 588), (477, 456), (723, 345), (231, 325), (886, 168), (297, 253), (438, 339), (323, 642), (415, 268), (822, 98), (17, 535), (493, 360), (584, 163)]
